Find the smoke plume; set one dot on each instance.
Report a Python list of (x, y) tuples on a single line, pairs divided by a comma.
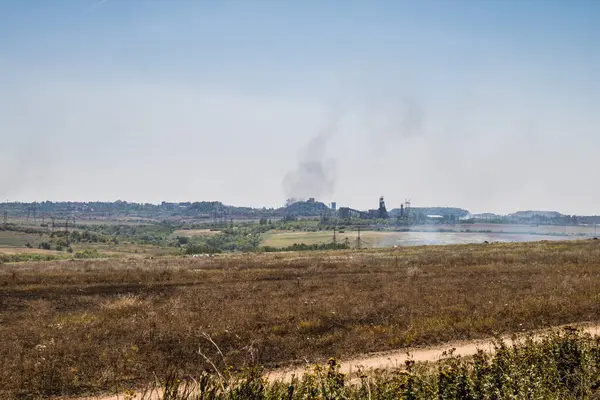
[(392, 120), (315, 174)]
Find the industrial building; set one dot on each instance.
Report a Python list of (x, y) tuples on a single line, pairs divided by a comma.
[(348, 213)]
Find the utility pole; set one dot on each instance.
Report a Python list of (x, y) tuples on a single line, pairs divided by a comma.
[(358, 241), (5, 217), (334, 237), (67, 231)]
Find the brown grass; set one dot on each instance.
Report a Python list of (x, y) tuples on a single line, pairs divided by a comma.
[(86, 326)]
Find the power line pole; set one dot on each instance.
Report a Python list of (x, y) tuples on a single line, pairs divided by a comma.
[(358, 241), (67, 232), (334, 237)]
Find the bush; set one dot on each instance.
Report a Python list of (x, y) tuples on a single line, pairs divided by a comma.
[(307, 247), (201, 249), (87, 254), (23, 257)]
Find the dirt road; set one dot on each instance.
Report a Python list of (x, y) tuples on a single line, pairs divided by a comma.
[(397, 358), (386, 360)]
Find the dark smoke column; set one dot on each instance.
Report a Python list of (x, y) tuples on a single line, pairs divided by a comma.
[(315, 174)]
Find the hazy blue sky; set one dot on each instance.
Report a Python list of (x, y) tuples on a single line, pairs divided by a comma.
[(489, 105)]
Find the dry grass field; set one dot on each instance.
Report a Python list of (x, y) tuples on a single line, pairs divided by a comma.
[(17, 239), (89, 326)]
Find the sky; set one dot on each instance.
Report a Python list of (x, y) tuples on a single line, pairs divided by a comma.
[(486, 105)]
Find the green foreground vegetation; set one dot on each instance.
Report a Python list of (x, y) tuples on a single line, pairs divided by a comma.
[(562, 365)]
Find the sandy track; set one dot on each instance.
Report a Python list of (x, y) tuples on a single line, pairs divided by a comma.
[(388, 360), (397, 358)]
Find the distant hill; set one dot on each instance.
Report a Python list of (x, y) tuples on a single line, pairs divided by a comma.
[(204, 210), (308, 208), (212, 207), (533, 213), (486, 216)]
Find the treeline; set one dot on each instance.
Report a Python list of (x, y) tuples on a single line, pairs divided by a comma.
[(60, 210), (21, 229), (151, 234), (246, 239), (235, 238)]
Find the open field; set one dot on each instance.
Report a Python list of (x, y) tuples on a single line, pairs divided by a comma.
[(74, 327), (17, 239), (287, 238), (376, 239), (19, 250)]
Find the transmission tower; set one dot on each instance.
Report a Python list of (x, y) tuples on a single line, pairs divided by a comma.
[(67, 232), (360, 242)]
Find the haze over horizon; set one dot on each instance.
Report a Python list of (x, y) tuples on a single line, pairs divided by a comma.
[(489, 106)]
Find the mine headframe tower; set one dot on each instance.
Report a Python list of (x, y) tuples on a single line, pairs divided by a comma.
[(382, 212)]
